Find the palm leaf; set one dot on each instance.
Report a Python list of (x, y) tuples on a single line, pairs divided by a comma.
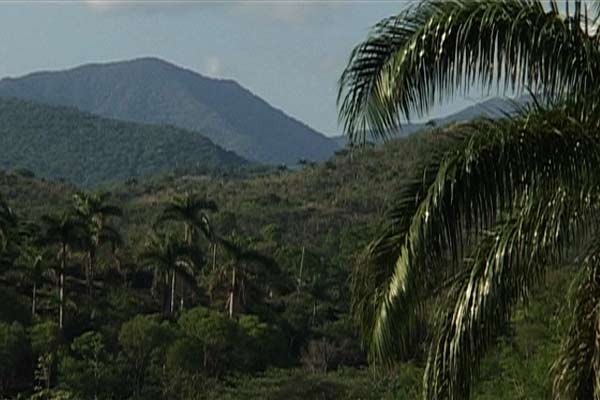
[(577, 370), (441, 47), (496, 163), (508, 262)]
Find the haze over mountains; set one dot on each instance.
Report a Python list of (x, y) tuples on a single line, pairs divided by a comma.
[(150, 90)]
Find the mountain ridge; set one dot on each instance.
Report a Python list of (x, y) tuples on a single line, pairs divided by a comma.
[(151, 90), (85, 149)]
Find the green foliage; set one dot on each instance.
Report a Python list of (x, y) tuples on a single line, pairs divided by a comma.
[(185, 355), (46, 337), (58, 142), (87, 371), (142, 340), (15, 354), (219, 336), (265, 345)]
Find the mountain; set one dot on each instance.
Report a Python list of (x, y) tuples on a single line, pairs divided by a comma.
[(150, 90), (60, 142), (496, 107)]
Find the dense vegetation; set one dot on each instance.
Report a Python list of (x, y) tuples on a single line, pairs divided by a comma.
[(292, 238), (63, 143), (149, 90)]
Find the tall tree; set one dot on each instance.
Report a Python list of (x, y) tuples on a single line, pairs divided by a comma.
[(169, 257), (249, 268), (191, 210), (33, 264), (510, 195), (66, 232), (94, 212)]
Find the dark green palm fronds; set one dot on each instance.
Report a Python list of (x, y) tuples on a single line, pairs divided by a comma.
[(577, 370), (496, 164), (167, 253), (507, 263), (190, 208), (429, 52)]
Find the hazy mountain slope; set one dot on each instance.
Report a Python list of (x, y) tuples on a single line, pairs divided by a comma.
[(150, 90), (493, 108), (59, 142)]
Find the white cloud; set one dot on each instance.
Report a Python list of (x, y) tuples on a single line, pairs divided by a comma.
[(286, 11), (212, 66)]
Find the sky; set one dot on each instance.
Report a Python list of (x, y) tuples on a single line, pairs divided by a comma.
[(290, 53)]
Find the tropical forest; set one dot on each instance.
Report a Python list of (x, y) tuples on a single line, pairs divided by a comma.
[(168, 234)]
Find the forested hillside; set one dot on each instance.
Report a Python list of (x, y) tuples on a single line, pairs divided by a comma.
[(63, 143), (150, 90), (260, 303)]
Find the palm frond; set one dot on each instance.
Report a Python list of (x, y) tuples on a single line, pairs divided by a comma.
[(506, 265), (496, 163), (577, 370), (441, 47)]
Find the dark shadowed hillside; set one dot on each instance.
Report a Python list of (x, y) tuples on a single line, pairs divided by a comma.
[(59, 142), (150, 90)]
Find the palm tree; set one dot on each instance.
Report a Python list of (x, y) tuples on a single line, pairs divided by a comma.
[(248, 268), (190, 209), (169, 257), (65, 231), (485, 217), (94, 213), (32, 263)]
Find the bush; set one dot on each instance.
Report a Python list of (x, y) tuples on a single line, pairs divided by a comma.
[(217, 335), (266, 345), (143, 339), (88, 371), (15, 355)]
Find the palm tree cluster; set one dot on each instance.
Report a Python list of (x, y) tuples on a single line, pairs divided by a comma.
[(67, 250), (43, 250), (501, 202)]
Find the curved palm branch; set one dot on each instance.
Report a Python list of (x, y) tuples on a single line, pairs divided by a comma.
[(439, 47), (506, 265), (577, 370), (190, 209), (482, 177)]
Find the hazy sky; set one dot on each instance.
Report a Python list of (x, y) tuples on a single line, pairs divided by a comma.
[(289, 53)]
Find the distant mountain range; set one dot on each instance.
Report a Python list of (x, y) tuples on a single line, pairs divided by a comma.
[(60, 142), (150, 90), (492, 108)]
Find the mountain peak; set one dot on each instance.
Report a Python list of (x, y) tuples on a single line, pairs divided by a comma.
[(152, 90)]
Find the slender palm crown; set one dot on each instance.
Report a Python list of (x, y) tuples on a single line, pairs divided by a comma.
[(191, 210), (475, 231)]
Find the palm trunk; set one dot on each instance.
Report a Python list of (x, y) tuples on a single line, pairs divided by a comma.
[(182, 290), (232, 293), (61, 288), (172, 308), (299, 288), (214, 263), (165, 293), (33, 299), (91, 267)]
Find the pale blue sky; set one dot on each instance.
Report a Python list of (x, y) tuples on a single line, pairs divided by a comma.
[(289, 53)]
